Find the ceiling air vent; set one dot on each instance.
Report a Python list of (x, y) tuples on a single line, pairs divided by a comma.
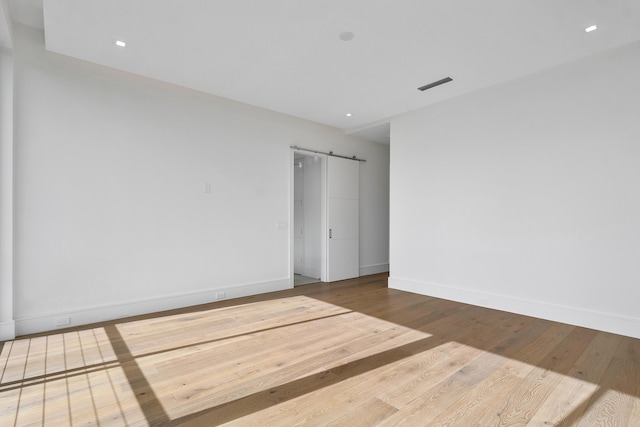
[(434, 84)]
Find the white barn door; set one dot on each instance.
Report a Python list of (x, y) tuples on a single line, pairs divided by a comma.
[(343, 223)]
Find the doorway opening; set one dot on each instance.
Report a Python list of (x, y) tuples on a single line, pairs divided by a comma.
[(308, 218)]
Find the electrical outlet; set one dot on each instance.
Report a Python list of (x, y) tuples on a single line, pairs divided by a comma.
[(483, 301), (220, 295), (63, 321)]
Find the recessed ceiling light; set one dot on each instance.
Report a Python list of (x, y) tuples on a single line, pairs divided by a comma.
[(346, 36), (591, 28), (120, 43), (348, 114)]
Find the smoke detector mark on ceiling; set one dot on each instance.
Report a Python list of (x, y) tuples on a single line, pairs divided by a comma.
[(434, 84), (346, 36)]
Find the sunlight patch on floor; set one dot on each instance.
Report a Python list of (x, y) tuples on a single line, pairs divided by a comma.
[(277, 342), (52, 380)]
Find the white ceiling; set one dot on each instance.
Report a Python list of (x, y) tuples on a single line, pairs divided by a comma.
[(5, 34), (285, 55)]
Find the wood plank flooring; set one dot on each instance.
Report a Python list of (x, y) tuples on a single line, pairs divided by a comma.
[(351, 353)]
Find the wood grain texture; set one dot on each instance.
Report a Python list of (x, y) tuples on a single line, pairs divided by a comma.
[(350, 353)]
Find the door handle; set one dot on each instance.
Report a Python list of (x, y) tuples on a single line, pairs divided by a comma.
[(330, 233)]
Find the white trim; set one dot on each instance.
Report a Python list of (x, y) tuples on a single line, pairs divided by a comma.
[(291, 219), (608, 322), (7, 330), (310, 272), (366, 270), (46, 322)]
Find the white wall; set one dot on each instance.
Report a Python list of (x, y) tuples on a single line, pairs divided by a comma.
[(374, 211), (111, 214), (525, 196)]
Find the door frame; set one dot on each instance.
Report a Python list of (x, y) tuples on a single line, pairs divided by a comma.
[(322, 158)]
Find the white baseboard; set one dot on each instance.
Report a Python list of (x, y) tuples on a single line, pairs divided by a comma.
[(7, 330), (310, 272), (34, 324), (608, 322), (366, 270)]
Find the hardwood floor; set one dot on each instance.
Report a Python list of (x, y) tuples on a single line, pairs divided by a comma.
[(345, 354)]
